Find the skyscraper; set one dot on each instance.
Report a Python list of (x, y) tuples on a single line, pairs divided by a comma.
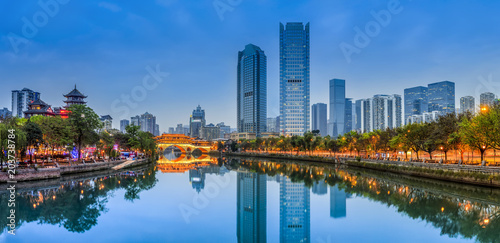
[(252, 90), (107, 122), (319, 121), (441, 97), (295, 211), (196, 122), (148, 123), (21, 99), (294, 78), (348, 115), (467, 104), (337, 108), (416, 101), (123, 124), (251, 207), (487, 99)]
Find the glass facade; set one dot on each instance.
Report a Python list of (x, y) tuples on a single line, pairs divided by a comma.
[(348, 115), (416, 101), (442, 97), (467, 104), (294, 79), (337, 107), (319, 120), (252, 90)]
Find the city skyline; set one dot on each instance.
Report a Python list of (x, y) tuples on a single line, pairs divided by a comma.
[(62, 61)]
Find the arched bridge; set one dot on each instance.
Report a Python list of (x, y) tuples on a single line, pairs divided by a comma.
[(184, 143)]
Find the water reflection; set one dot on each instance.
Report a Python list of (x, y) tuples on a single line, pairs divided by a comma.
[(251, 199), (75, 204), (458, 210)]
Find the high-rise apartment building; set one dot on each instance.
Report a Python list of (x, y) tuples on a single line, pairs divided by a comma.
[(487, 99), (147, 123), (252, 90), (107, 122), (319, 120), (441, 97), (123, 124), (348, 115), (21, 100), (337, 108), (467, 104), (294, 78), (386, 112)]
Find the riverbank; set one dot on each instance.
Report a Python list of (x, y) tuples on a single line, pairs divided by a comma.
[(474, 175), (54, 173)]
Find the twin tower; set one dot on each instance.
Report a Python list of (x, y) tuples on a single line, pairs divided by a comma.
[(294, 84)]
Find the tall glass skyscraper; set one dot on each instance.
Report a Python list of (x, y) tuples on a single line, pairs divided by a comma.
[(319, 121), (251, 207), (416, 101), (442, 97), (467, 104), (295, 211), (252, 90), (337, 108), (196, 122), (348, 115), (294, 78)]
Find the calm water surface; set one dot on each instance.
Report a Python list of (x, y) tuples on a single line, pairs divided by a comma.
[(186, 199)]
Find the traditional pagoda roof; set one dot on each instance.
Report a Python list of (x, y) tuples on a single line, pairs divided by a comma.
[(75, 93), (38, 107)]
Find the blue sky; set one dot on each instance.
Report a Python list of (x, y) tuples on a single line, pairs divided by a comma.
[(105, 47)]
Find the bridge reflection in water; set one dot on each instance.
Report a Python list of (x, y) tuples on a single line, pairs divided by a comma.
[(184, 144)]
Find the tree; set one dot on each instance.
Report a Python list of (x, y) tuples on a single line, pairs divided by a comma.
[(83, 121), (34, 136), (477, 132), (446, 126)]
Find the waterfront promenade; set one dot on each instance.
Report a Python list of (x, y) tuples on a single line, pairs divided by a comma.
[(470, 174)]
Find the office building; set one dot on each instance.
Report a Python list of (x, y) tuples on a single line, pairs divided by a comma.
[(416, 101), (171, 130), (273, 124), (487, 99), (21, 100), (135, 120), (441, 97), (319, 120), (251, 200), (123, 124), (337, 108), (224, 129), (157, 130), (196, 122), (364, 117), (210, 132), (295, 211), (146, 122), (179, 129), (467, 104), (252, 90), (294, 79)]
